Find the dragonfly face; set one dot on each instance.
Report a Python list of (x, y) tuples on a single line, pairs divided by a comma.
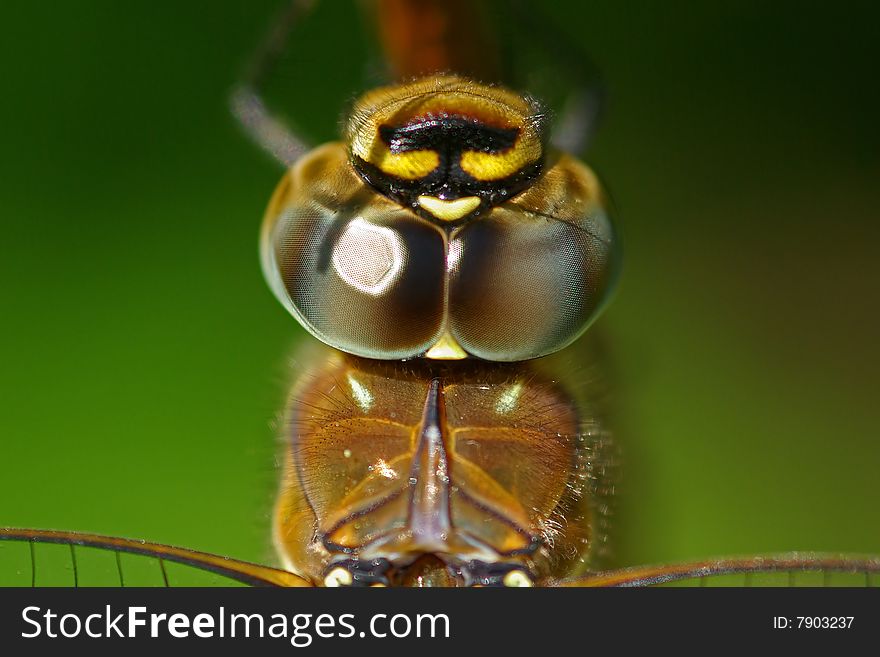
[(453, 474), (446, 147), (444, 228)]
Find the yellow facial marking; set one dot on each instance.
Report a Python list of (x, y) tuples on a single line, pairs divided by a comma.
[(410, 165), (496, 166), (446, 348), (449, 210), (444, 96)]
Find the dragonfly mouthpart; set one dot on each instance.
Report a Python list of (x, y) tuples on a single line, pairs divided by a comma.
[(449, 210)]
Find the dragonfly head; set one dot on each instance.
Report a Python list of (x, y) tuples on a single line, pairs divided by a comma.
[(447, 147)]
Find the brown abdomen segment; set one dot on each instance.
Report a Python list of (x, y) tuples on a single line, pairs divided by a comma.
[(431, 36)]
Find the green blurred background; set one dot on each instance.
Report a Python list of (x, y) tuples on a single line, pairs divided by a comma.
[(144, 359)]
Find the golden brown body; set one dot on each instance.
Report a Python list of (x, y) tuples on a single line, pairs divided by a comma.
[(444, 227), (429, 36), (462, 473)]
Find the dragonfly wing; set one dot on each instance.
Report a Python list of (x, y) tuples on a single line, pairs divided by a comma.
[(795, 569), (88, 559)]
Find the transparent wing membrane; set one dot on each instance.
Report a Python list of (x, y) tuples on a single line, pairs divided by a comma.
[(784, 570), (30, 557)]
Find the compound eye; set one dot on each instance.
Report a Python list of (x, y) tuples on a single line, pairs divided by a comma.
[(358, 271), (367, 283), (529, 278), (369, 277)]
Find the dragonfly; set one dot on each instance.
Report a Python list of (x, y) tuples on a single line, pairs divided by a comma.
[(448, 254)]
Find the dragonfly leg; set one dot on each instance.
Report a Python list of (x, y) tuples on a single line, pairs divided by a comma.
[(576, 125), (246, 102), (357, 572), (578, 119)]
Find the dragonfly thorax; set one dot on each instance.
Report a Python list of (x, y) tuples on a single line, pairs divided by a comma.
[(394, 469)]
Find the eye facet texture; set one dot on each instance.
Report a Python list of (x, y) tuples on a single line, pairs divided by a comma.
[(372, 278)]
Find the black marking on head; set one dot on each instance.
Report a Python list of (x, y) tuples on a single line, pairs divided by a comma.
[(449, 136)]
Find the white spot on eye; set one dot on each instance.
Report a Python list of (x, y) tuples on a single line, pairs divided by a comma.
[(346, 453), (385, 470), (362, 396), (368, 257), (508, 398)]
